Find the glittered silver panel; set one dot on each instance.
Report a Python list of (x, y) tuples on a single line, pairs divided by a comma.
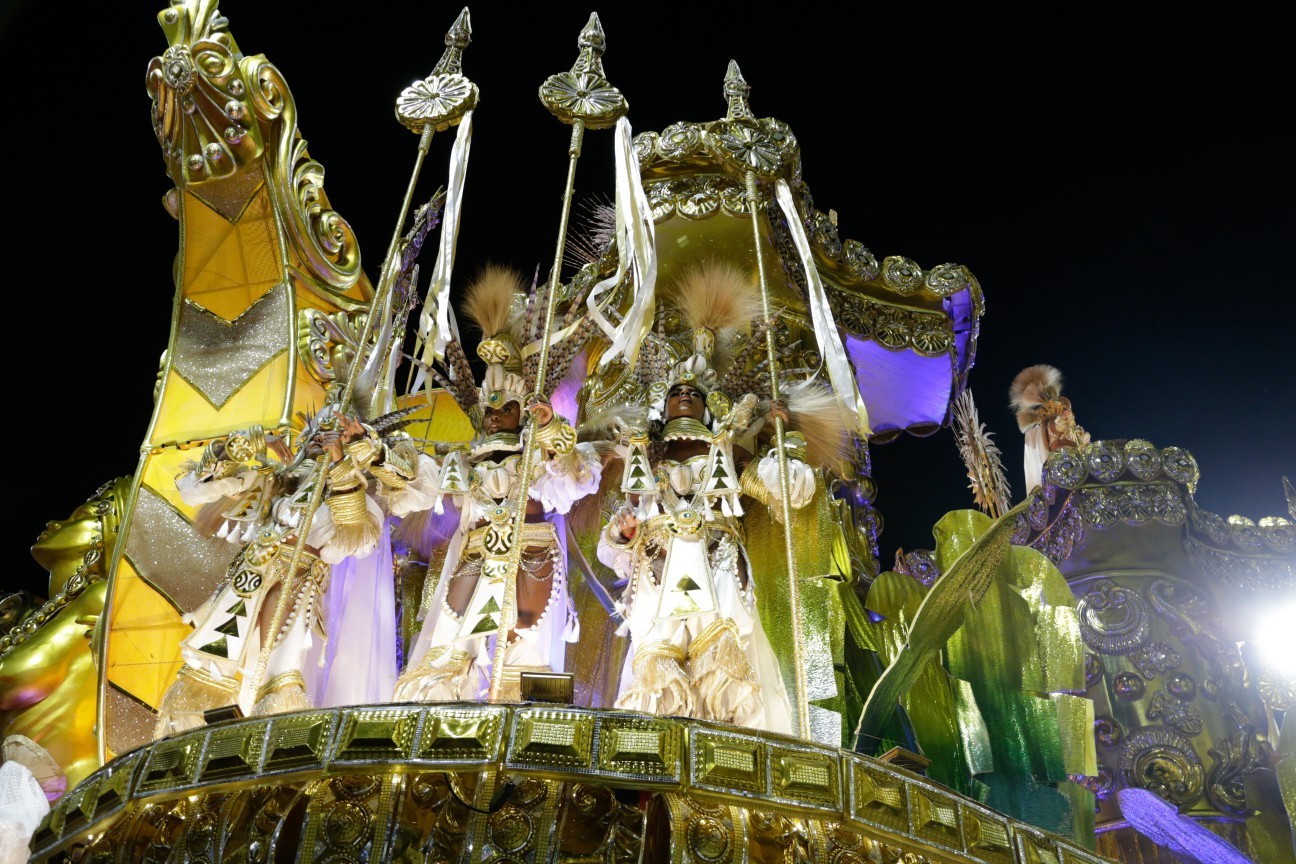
[(172, 556), (217, 356), (230, 195), (128, 723), (825, 726)]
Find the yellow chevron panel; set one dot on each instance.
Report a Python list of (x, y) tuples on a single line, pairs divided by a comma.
[(160, 472), (143, 638), (186, 414), (439, 420), (228, 267), (308, 396)]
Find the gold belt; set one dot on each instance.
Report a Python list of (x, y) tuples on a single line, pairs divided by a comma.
[(684, 523), (533, 534)]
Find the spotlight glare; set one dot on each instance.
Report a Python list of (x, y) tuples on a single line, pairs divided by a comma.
[(1275, 640)]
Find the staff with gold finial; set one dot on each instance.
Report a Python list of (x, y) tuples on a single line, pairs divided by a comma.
[(585, 99), (444, 99), (765, 150), (742, 126)]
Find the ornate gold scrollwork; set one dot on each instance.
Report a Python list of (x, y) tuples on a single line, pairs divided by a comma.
[(325, 339), (201, 103)]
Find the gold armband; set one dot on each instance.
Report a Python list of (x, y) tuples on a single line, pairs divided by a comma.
[(611, 533), (753, 486), (387, 474), (556, 435), (362, 451), (343, 476), (349, 507)]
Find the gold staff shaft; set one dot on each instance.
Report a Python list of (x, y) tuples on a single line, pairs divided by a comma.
[(508, 610), (794, 584), (377, 308)]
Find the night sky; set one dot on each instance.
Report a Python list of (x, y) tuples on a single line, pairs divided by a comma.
[(1120, 183)]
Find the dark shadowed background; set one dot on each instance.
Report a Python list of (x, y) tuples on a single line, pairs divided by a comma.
[(1119, 181)]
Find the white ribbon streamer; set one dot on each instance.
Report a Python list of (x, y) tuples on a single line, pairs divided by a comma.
[(840, 374), (436, 320), (636, 252)]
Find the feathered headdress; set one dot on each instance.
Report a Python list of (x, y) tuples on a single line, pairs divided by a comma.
[(715, 302), (511, 319), (493, 302), (1033, 389)]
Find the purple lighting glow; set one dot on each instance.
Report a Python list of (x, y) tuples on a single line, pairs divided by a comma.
[(900, 388), (1159, 821)]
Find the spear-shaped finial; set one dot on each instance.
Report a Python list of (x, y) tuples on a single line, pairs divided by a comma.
[(584, 94), (442, 99), (592, 43), (456, 40), (736, 90)]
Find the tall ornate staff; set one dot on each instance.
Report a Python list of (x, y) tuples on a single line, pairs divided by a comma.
[(585, 99), (741, 140), (762, 150), (442, 100)]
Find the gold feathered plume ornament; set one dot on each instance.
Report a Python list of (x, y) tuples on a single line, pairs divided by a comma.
[(510, 315), (981, 457), (1036, 396)]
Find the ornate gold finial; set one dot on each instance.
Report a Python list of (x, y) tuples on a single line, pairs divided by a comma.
[(744, 142), (444, 97), (457, 39), (593, 43), (584, 93), (736, 91)]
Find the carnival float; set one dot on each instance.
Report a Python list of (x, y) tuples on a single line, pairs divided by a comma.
[(444, 562)]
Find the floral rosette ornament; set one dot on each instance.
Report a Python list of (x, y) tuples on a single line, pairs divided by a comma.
[(584, 93)]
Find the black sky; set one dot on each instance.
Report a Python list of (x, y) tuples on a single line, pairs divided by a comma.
[(1120, 182)]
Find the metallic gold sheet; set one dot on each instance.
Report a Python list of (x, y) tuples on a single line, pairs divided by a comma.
[(820, 614), (144, 653), (188, 415)]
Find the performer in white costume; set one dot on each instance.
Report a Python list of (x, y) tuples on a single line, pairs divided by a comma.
[(259, 503), (451, 659), (690, 609)]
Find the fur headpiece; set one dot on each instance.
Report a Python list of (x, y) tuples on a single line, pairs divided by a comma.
[(1031, 390), (493, 303)]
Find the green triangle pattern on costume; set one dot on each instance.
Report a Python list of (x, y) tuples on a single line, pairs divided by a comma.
[(485, 625), (687, 584), (686, 606), (220, 648), (490, 607), (229, 628), (238, 608)]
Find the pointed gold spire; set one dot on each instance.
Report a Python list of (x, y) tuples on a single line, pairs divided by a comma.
[(584, 93), (592, 43), (441, 100), (736, 91), (457, 39)]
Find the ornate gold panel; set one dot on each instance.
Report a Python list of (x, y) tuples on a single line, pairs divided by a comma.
[(298, 740), (551, 737), (468, 735), (386, 734), (722, 761)]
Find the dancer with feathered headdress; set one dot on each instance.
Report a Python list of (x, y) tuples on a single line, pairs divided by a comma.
[(451, 658), (698, 647), (1044, 415)]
